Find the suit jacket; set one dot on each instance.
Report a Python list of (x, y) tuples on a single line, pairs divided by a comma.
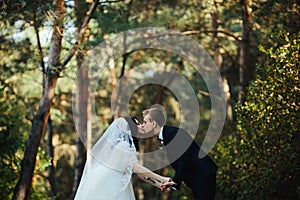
[(183, 153)]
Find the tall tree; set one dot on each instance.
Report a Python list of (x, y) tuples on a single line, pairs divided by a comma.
[(246, 68), (82, 108), (50, 76), (40, 120), (50, 151)]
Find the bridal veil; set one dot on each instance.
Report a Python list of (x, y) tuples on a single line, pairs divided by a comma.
[(108, 175)]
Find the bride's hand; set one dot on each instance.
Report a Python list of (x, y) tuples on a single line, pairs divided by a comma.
[(165, 179)]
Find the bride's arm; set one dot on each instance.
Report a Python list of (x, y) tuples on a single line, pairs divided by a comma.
[(149, 176)]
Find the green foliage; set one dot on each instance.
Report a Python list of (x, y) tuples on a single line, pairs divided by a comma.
[(282, 15), (12, 129), (262, 160), (40, 189), (262, 150)]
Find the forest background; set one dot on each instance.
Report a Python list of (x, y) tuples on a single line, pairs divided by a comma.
[(254, 44)]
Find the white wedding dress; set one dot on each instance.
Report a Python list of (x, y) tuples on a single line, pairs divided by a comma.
[(108, 176)]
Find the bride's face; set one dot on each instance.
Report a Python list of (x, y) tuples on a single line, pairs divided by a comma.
[(140, 129)]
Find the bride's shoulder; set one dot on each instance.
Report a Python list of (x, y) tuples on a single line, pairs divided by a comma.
[(122, 124), (120, 121)]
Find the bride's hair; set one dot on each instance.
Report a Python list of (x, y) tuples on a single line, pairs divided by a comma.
[(132, 123)]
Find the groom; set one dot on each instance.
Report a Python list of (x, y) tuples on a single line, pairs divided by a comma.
[(197, 173)]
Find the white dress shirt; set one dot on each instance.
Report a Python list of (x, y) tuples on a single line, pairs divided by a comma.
[(160, 136)]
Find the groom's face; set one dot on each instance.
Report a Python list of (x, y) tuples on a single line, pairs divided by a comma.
[(148, 125)]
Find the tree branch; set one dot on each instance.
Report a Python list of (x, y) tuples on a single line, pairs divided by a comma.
[(80, 34), (40, 50), (212, 31)]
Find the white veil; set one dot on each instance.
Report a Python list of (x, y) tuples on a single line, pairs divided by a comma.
[(115, 149)]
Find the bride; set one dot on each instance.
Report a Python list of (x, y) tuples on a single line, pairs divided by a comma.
[(114, 158)]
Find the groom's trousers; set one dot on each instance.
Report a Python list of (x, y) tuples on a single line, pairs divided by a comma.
[(207, 190)]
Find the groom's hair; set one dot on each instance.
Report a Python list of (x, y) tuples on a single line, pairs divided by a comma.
[(157, 115)]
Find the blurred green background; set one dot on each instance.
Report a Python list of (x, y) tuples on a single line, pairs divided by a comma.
[(254, 44)]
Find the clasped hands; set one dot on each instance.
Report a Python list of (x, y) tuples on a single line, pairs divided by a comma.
[(166, 185)]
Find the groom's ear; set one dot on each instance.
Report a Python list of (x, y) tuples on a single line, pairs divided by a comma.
[(154, 124)]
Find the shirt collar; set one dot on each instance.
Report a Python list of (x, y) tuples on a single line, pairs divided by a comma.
[(160, 136)]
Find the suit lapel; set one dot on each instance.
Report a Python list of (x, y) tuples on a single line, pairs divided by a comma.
[(167, 135)]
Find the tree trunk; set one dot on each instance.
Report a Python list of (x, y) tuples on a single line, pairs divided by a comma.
[(215, 40), (83, 109), (83, 114), (40, 120), (245, 70), (50, 151), (39, 123), (218, 59), (50, 77)]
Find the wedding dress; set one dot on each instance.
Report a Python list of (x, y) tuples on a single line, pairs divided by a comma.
[(108, 175)]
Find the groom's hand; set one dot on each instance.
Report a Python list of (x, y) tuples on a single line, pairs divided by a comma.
[(167, 187)]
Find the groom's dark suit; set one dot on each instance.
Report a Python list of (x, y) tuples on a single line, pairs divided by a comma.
[(197, 173)]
